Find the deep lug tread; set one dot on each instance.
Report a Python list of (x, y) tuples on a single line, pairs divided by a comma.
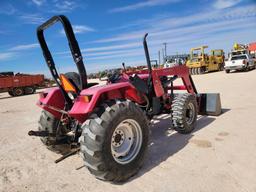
[(179, 113), (47, 122), (99, 126)]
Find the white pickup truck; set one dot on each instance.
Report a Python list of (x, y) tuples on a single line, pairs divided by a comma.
[(242, 62)]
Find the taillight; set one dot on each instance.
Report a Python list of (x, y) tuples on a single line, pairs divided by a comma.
[(67, 85), (85, 98), (244, 62)]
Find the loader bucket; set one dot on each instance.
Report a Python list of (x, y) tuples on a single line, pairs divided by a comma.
[(209, 104)]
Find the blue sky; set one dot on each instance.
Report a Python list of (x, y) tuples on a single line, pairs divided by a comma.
[(110, 32)]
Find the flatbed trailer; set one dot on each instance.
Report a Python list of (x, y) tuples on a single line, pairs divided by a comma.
[(20, 84)]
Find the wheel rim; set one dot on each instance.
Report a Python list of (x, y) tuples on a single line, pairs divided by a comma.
[(18, 92), (126, 141), (190, 113)]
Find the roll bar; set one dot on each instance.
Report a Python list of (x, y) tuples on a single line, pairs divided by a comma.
[(73, 45)]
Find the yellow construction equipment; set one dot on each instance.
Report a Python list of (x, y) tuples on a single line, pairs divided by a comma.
[(239, 49), (199, 62), (238, 46)]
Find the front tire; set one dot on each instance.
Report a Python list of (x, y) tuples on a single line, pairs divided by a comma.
[(227, 70), (246, 69), (114, 140), (184, 113)]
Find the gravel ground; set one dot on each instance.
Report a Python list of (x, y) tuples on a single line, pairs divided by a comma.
[(220, 155)]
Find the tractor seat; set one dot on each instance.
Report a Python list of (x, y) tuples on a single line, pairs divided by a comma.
[(74, 78)]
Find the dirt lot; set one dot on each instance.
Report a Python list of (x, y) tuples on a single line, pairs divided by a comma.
[(220, 155)]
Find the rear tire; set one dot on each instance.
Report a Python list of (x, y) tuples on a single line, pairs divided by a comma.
[(246, 68), (221, 67), (190, 71), (48, 122), (114, 141), (29, 90), (184, 113), (11, 93), (199, 70), (202, 70), (227, 70), (194, 71), (18, 91)]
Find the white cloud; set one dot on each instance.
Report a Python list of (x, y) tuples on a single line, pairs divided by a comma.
[(181, 45), (217, 28), (108, 52), (32, 18), (148, 3), (119, 55), (80, 29), (162, 26), (58, 6), (102, 65), (103, 50), (122, 37), (112, 47), (141, 22), (7, 9), (175, 38), (38, 2), (24, 47), (6, 56), (222, 4), (65, 6)]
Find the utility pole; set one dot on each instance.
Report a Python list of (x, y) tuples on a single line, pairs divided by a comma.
[(163, 55), (159, 55), (165, 49)]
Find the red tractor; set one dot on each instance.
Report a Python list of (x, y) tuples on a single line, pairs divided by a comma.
[(109, 124)]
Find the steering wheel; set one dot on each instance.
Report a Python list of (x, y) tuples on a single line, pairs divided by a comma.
[(113, 77)]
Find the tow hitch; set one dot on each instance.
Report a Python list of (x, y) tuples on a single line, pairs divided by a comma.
[(40, 134)]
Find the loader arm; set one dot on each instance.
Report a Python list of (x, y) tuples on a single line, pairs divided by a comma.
[(179, 71)]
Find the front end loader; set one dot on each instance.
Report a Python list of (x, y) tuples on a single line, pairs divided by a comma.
[(109, 124)]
